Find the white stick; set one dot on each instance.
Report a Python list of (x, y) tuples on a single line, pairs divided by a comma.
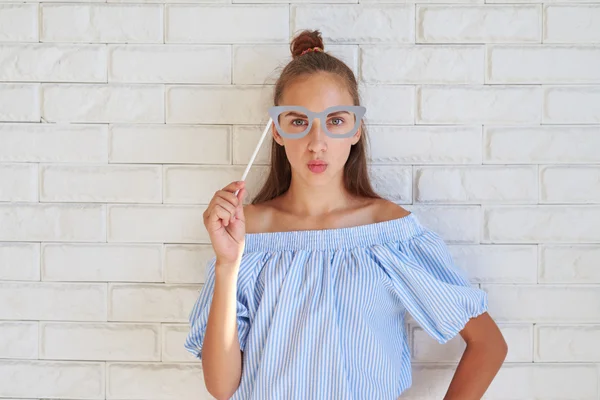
[(262, 138)]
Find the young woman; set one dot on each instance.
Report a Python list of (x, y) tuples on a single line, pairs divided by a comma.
[(307, 294)]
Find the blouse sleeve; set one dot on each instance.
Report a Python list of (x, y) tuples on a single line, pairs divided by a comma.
[(198, 317), (436, 293)]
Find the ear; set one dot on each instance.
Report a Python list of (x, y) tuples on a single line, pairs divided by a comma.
[(357, 135), (276, 135)]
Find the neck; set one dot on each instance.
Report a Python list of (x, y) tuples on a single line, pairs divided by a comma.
[(309, 200)]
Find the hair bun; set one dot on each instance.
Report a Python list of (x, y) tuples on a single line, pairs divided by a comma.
[(306, 39)]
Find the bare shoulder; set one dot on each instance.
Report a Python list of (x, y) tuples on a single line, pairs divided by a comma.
[(386, 210), (258, 216), (268, 217), (252, 217)]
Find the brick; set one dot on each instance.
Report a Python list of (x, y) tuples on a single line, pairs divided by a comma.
[(347, 53), (156, 224), (476, 185), (422, 64), (549, 1), (58, 143), (217, 104), (19, 22), (392, 182), (19, 102), (19, 339), (244, 141), (70, 1), (425, 144), (570, 184), (544, 381), (455, 224), (497, 263), (103, 262), (532, 64), (423, 1), (104, 103), (287, 1), (111, 341), (170, 144), (228, 24), (513, 381), (19, 262), (151, 302), (519, 338), (53, 63), (544, 303), (541, 144), (357, 23), (542, 224), (18, 182), (259, 64), (53, 301), (52, 222), (172, 349), (170, 64), (187, 263), (100, 184), (479, 105), (160, 381), (428, 381), (43, 379), (391, 104), (567, 343), (105, 23), (559, 105), (262, 64), (569, 264), (478, 23), (572, 24), (208, 180)]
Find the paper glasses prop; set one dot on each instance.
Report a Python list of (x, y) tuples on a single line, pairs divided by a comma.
[(285, 117)]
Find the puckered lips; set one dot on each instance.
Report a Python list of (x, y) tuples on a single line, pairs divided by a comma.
[(317, 166)]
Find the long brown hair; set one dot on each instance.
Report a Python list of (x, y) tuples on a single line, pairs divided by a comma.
[(356, 174)]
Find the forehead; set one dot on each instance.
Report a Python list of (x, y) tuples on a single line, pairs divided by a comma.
[(316, 92)]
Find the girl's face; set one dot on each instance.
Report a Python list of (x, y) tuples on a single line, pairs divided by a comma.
[(316, 92)]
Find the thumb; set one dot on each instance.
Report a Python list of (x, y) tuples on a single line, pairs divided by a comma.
[(240, 208)]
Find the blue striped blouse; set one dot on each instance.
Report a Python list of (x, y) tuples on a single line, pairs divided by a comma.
[(321, 313)]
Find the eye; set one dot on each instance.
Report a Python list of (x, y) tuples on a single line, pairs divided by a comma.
[(294, 122), (338, 119)]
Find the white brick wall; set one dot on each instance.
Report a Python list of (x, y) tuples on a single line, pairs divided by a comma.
[(119, 119)]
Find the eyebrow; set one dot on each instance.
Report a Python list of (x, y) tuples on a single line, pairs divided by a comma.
[(297, 114)]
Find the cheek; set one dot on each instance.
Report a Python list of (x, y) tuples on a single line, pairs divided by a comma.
[(293, 150), (340, 152)]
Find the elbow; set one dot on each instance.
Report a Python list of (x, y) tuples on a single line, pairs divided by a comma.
[(496, 349), (503, 349), (499, 347), (483, 334), (218, 388), (220, 393), (222, 397)]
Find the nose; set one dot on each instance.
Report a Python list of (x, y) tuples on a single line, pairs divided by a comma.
[(316, 137)]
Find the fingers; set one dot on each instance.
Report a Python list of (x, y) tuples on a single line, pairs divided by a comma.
[(228, 196), (223, 214), (225, 203), (219, 206), (233, 186), (240, 207), (229, 191)]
